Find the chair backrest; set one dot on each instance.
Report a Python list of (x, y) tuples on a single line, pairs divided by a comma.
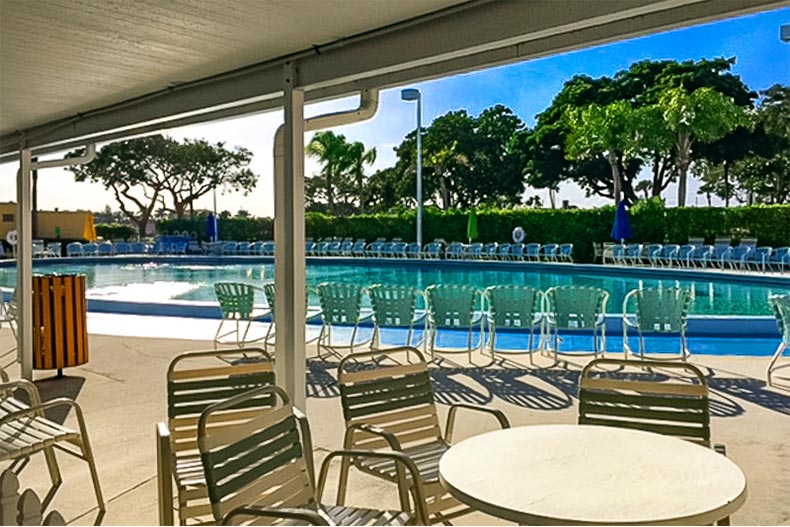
[(198, 379), (452, 306), (660, 310), (394, 305), (264, 460), (696, 242), (576, 307), (341, 302), (626, 394), (780, 304), (396, 395), (513, 306), (268, 292), (236, 300), (749, 242), (532, 249)]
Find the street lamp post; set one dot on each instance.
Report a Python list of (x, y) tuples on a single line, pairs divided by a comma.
[(413, 94)]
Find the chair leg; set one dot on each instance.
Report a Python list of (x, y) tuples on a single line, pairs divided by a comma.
[(52, 466), (342, 483), (778, 353), (88, 453)]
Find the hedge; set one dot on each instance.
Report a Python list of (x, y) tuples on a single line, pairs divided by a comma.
[(115, 231), (650, 222)]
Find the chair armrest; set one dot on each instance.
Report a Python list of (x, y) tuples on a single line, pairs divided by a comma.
[(39, 409), (449, 429), (303, 516), (720, 448), (348, 440), (22, 384), (411, 481)]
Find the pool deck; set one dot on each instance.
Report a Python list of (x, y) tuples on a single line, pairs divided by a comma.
[(122, 392)]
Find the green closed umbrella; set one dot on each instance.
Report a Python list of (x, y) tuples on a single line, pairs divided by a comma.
[(471, 225)]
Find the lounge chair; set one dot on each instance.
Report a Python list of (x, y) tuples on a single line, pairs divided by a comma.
[(341, 313), (490, 251), (781, 308), (454, 308), (633, 394), (759, 258), (388, 405), (181, 248), (576, 309), (237, 307), (256, 248), (120, 248), (721, 246), (346, 247), (548, 252), (618, 254), (473, 251), (358, 249), (414, 250), (517, 252), (26, 431), (374, 248), (432, 250), (241, 248), (657, 310), (736, 257), (454, 251), (514, 308), (260, 469), (632, 254), (309, 248), (395, 307), (52, 250), (503, 251), (230, 248), (399, 250), (195, 381), (668, 255), (653, 253), (780, 259)]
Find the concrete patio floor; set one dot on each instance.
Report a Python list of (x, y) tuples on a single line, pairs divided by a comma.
[(122, 392)]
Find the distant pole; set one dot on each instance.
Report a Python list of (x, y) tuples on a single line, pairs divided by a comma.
[(413, 94), (215, 201)]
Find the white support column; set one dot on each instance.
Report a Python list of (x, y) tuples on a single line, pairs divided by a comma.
[(24, 266), (289, 262)]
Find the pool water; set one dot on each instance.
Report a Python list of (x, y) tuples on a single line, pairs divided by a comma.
[(163, 282)]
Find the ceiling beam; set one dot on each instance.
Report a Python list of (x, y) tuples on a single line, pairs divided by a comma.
[(484, 34)]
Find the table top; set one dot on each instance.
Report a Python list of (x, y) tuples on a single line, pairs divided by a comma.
[(574, 474)]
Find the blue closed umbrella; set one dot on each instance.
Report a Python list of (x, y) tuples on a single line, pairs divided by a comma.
[(622, 225), (211, 227)]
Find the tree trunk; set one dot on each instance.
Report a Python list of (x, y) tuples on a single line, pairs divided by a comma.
[(683, 162), (445, 193), (726, 184), (330, 200), (614, 163), (361, 194)]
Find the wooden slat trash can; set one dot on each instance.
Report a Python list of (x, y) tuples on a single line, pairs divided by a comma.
[(60, 332)]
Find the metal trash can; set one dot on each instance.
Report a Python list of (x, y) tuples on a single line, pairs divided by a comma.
[(60, 331)]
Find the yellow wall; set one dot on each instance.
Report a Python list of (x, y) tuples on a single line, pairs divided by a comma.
[(71, 223)]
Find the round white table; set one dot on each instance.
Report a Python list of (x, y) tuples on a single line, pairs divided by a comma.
[(573, 475)]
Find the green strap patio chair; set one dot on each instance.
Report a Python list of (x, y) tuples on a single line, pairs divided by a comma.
[(260, 469), (237, 306), (395, 306), (780, 305), (515, 308), (573, 309), (341, 310), (388, 405), (195, 381), (310, 314), (455, 308), (670, 398), (657, 310)]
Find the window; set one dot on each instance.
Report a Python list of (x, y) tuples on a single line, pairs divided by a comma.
[(8, 218)]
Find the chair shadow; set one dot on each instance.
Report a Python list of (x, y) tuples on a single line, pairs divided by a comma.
[(565, 380), (54, 387), (449, 391), (504, 384), (751, 390), (320, 382)]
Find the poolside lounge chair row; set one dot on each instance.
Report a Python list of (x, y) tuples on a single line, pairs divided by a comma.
[(746, 255), (550, 252)]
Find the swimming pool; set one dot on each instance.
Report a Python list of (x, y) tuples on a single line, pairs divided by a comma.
[(192, 279)]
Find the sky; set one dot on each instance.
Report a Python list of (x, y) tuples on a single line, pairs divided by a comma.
[(528, 87)]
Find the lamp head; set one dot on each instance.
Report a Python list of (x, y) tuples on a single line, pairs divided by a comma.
[(410, 94)]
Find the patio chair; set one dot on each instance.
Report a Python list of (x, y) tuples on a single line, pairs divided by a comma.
[(195, 381), (575, 309), (565, 253), (657, 310), (781, 308), (532, 252), (548, 253), (454, 308), (341, 310), (261, 469), (514, 308), (237, 307), (388, 404), (640, 396), (310, 314), (395, 306), (26, 431)]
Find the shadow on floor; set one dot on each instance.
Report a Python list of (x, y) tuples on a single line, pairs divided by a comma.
[(505, 385), (449, 391), (67, 386), (320, 382), (751, 390)]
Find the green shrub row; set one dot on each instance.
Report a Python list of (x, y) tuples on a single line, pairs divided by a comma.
[(651, 222), (115, 231)]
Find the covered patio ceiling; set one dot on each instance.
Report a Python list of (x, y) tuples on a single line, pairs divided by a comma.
[(72, 70)]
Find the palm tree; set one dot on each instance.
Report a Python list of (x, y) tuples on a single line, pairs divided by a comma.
[(358, 157), (332, 151)]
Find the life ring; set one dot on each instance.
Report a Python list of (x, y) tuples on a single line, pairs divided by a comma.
[(11, 237), (518, 235)]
